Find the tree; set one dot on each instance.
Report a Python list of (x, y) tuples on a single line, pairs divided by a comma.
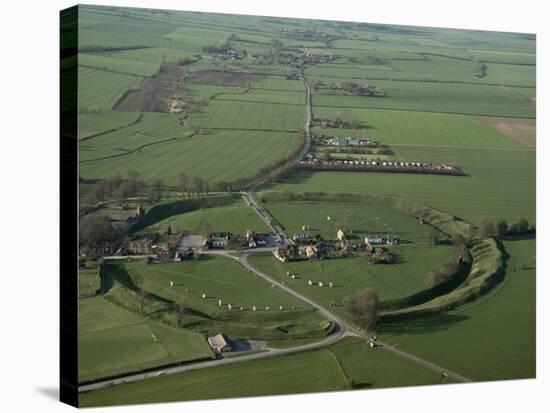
[(523, 226), (486, 228), (363, 306), (433, 279), (158, 184), (184, 183), (502, 227), (141, 301), (123, 193), (180, 310)]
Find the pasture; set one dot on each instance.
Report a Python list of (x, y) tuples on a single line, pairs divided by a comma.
[(114, 64), (268, 96), (356, 219), (93, 123), (236, 218), (417, 128), (391, 281), (218, 278), (493, 338), (214, 156), (115, 341), (88, 282)]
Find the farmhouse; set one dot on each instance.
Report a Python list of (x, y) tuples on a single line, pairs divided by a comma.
[(300, 236), (311, 251), (350, 141), (371, 240), (219, 343)]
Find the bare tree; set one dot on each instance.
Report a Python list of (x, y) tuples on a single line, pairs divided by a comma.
[(158, 184), (486, 228), (184, 183), (363, 306)]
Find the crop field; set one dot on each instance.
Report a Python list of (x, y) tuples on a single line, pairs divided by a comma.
[(132, 348), (391, 281), (248, 115), (267, 96), (356, 220), (417, 128), (279, 83), (115, 64), (436, 97), (492, 338), (100, 90), (500, 184), (155, 55), (235, 218), (215, 156)]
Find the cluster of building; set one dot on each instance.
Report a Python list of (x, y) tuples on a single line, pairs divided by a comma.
[(337, 124), (378, 165), (229, 54), (347, 141), (300, 61), (302, 245)]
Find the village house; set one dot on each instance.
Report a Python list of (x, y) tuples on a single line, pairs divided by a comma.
[(139, 246), (218, 239), (311, 251), (220, 343), (371, 240), (340, 235), (300, 236)]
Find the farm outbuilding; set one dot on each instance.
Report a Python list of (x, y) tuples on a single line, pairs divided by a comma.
[(220, 343)]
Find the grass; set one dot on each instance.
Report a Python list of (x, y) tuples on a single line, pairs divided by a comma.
[(100, 90), (268, 96), (114, 341), (219, 278), (435, 97), (356, 219), (88, 282), (235, 218), (301, 373), (393, 281), (279, 83), (492, 338), (417, 128), (500, 184), (115, 64), (247, 115), (214, 156), (94, 123)]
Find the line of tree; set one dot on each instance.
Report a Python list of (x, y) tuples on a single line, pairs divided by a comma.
[(450, 269), (487, 228)]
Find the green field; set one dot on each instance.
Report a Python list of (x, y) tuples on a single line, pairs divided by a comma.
[(248, 115), (268, 96), (132, 348), (491, 339), (500, 184), (94, 123), (100, 90), (391, 281), (436, 97), (235, 218), (356, 219), (417, 128), (321, 370), (214, 156), (88, 282), (115, 64), (218, 278)]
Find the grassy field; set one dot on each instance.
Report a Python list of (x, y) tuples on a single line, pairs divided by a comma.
[(417, 128), (114, 341), (279, 83), (268, 96), (214, 156), (235, 218), (436, 97), (500, 184), (248, 115), (392, 281), (219, 278), (115, 64), (492, 338), (100, 90), (93, 123), (88, 282), (356, 219), (321, 370), (307, 372)]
